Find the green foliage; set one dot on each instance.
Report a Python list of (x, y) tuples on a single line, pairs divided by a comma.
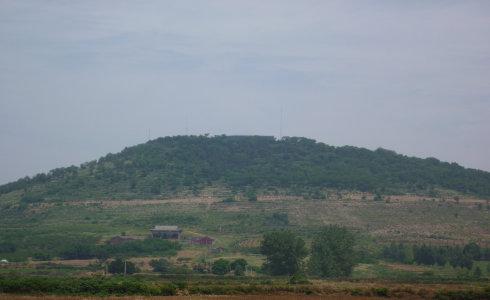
[(251, 195), (228, 200), (78, 250), (380, 291), (472, 250), (83, 286), (398, 252), (240, 262), (120, 266), (143, 247), (239, 270), (7, 247), (221, 267), (277, 219), (73, 246), (298, 278), (284, 252), (238, 266), (435, 255), (463, 295), (167, 165), (160, 265), (477, 272), (332, 252), (31, 198)]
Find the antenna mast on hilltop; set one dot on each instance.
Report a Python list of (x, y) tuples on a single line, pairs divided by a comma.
[(280, 123)]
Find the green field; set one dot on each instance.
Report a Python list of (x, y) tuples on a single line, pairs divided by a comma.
[(238, 226), (40, 232)]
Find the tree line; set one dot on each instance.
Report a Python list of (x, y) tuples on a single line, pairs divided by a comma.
[(87, 247), (456, 256), (171, 164)]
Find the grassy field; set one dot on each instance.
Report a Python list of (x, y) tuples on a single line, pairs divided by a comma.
[(237, 227), (237, 224)]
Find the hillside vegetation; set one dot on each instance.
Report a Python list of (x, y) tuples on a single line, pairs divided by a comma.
[(165, 166)]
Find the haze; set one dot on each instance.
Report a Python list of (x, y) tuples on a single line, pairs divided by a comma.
[(79, 79)]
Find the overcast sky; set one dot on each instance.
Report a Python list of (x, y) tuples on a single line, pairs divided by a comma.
[(79, 79)]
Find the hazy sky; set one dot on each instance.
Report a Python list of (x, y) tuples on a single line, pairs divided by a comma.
[(79, 79)]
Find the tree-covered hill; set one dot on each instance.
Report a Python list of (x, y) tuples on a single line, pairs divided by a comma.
[(171, 164)]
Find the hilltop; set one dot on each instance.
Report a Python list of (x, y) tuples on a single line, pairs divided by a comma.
[(169, 165)]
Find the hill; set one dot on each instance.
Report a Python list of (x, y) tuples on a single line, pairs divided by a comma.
[(44, 237), (169, 165)]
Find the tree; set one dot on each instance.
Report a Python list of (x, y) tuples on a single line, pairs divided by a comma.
[(118, 267), (172, 164), (424, 255), (378, 197), (332, 252), (78, 250), (160, 265), (284, 252), (239, 270), (477, 272), (31, 198), (472, 250), (251, 196), (238, 266), (221, 267)]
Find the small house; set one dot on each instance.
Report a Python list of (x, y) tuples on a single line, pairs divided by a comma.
[(166, 232), (205, 240)]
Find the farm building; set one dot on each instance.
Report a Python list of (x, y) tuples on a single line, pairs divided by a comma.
[(166, 232), (205, 240)]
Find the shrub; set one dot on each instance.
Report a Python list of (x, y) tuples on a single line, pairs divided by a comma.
[(78, 250), (477, 272), (31, 198), (221, 267), (298, 278), (120, 266), (380, 291), (239, 266), (228, 200), (139, 247), (251, 196), (160, 265), (240, 262), (84, 286)]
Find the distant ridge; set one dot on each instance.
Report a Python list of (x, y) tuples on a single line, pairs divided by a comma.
[(171, 164)]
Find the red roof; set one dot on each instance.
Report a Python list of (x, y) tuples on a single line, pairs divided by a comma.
[(206, 240)]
